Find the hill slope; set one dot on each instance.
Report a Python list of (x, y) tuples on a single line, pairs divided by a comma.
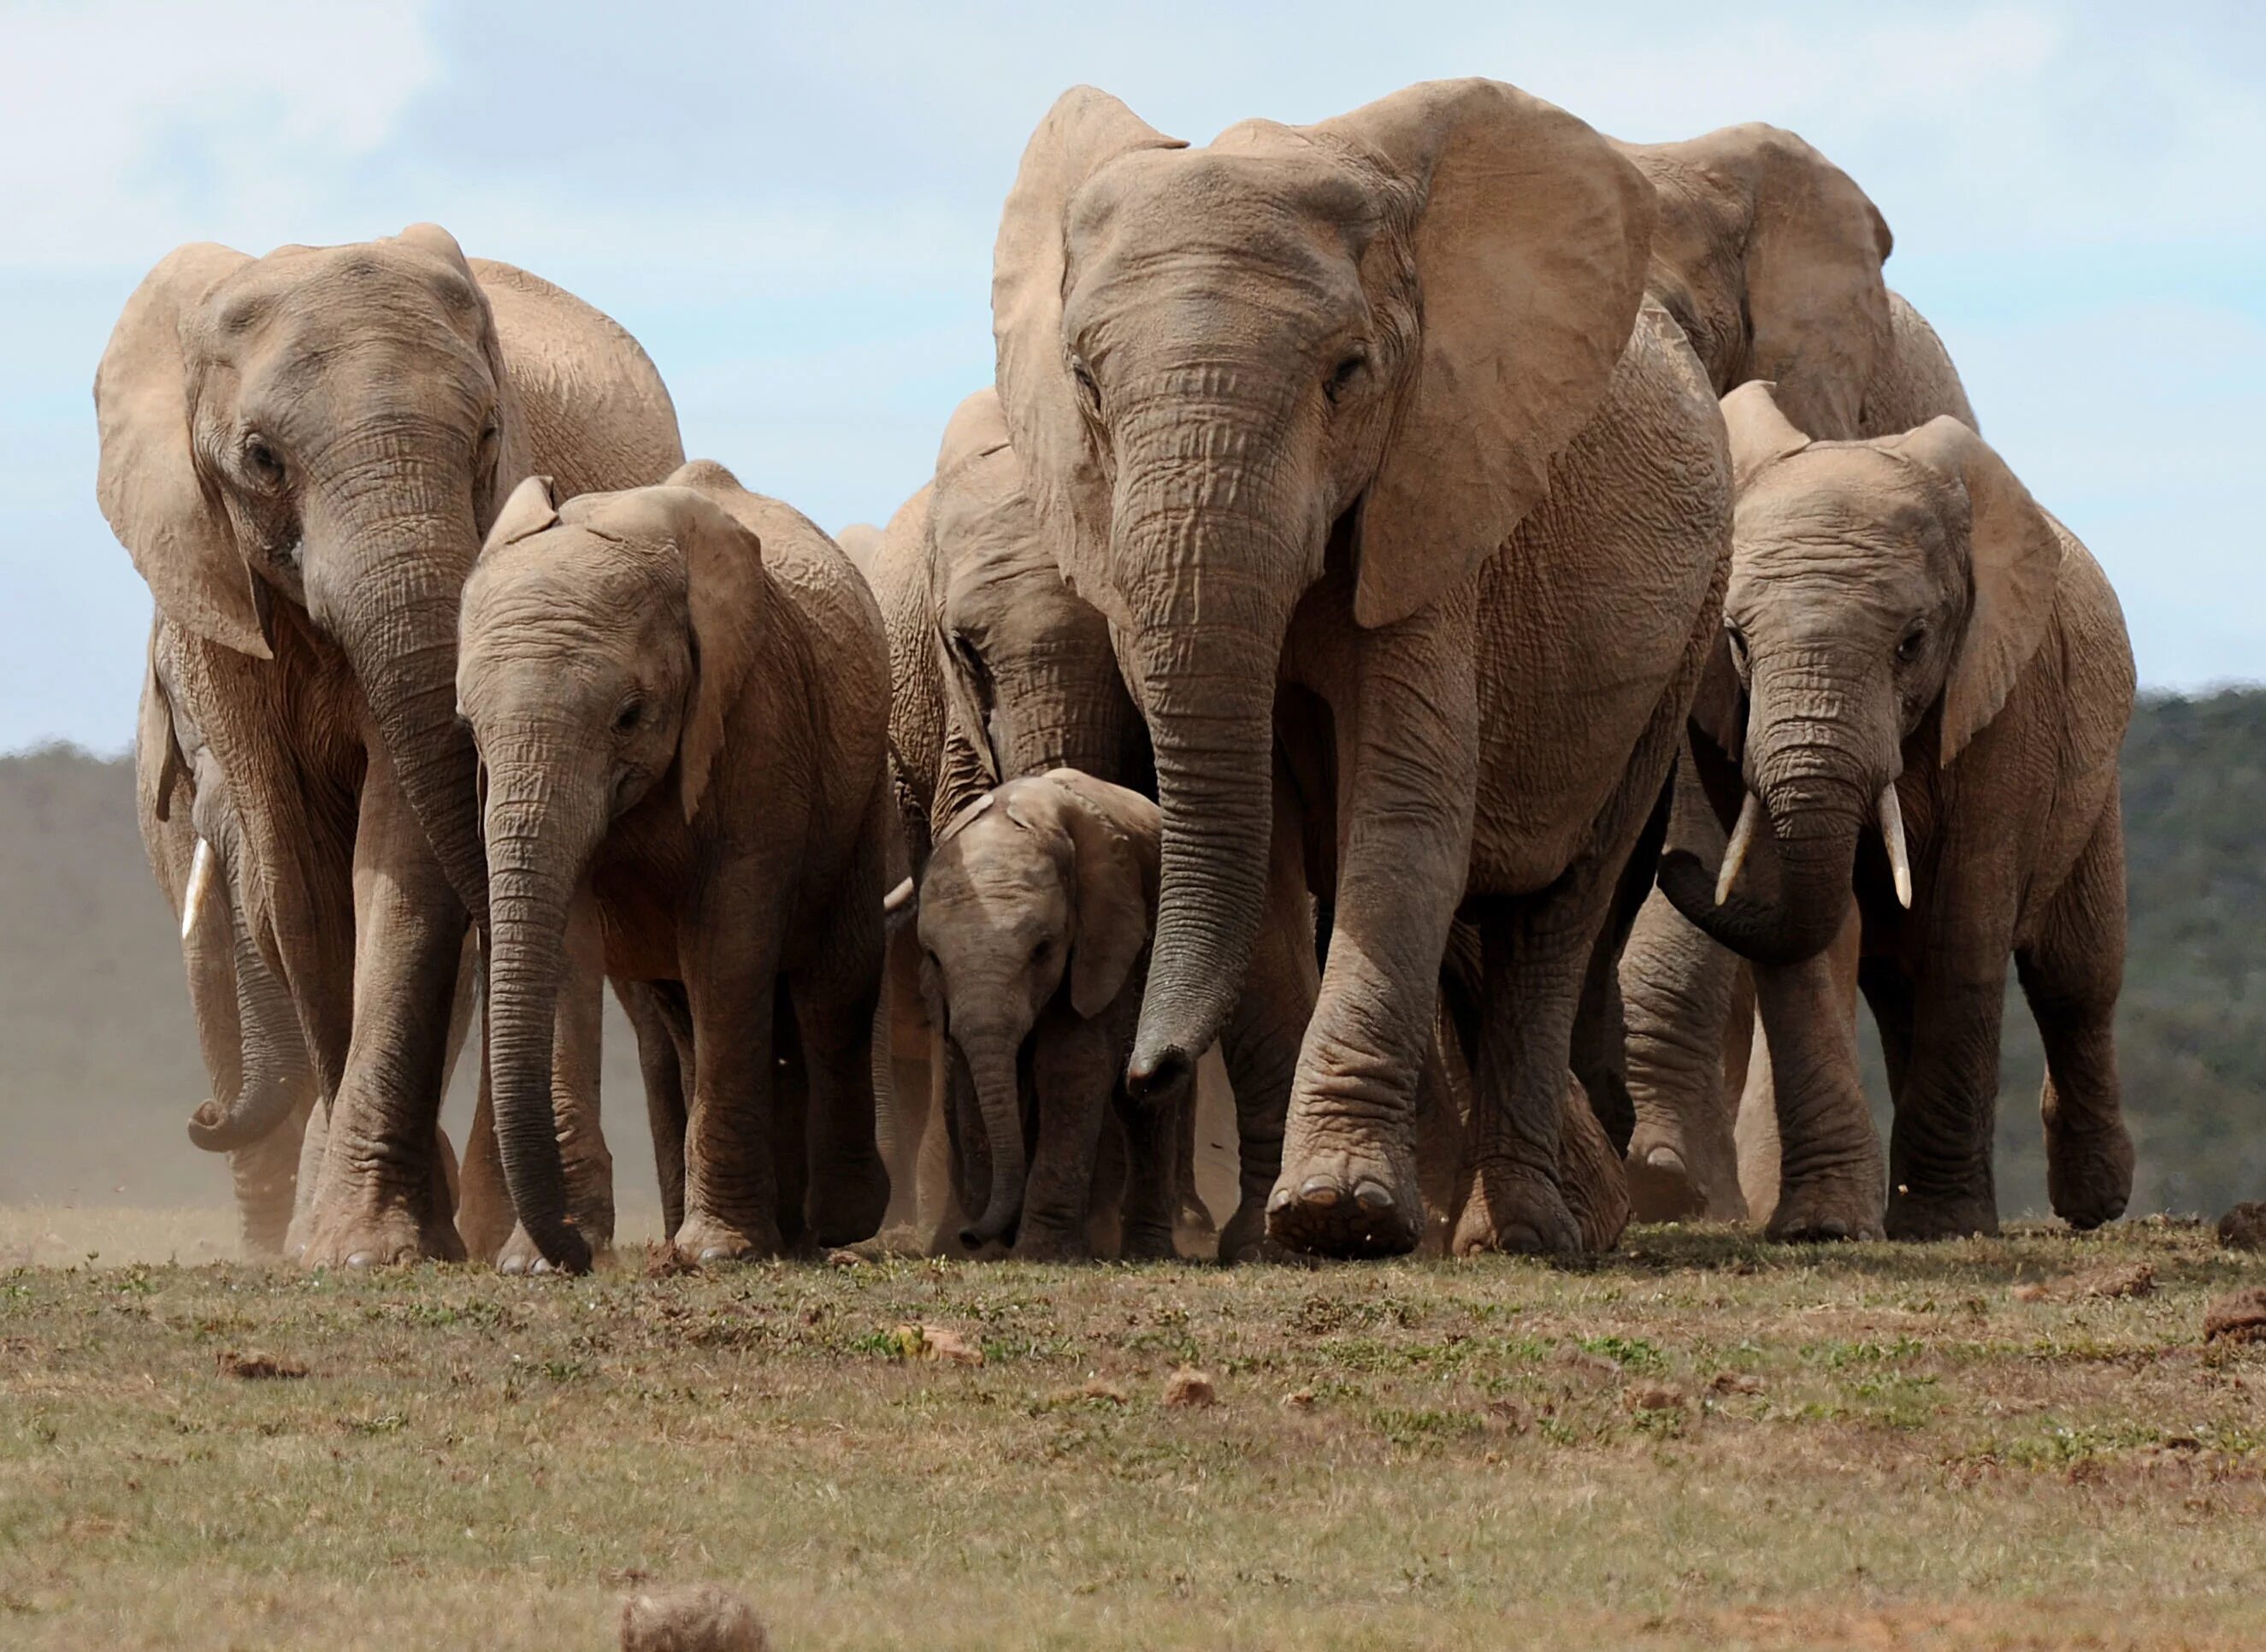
[(99, 1063)]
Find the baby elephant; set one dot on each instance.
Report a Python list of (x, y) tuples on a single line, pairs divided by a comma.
[(679, 694), (1035, 910)]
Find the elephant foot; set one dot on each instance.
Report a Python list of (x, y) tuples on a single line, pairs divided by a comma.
[(383, 1238), (1957, 1216), (2089, 1174), (1050, 1244), (1340, 1205), (1147, 1242), (705, 1239), (848, 1209), (1821, 1209), (518, 1255), (1512, 1208), (1243, 1238), (1661, 1187)]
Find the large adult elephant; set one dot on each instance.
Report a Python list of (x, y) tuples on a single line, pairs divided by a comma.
[(300, 453), (1770, 257), (1364, 439)]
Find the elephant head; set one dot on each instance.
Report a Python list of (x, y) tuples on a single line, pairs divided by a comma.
[(1025, 661), (331, 427), (1769, 257), (1351, 347), (1877, 588), (603, 643), (1038, 891)]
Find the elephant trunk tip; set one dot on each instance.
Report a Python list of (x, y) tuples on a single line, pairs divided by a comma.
[(1158, 1065)]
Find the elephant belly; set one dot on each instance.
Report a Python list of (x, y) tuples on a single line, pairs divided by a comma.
[(1589, 616)]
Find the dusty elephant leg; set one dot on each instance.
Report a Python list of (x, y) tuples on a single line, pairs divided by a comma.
[(577, 1054), (265, 1175), (1590, 1173), (1407, 739), (1261, 1042), (662, 1068), (2071, 978), (484, 1214), (1073, 1069), (732, 1208), (1755, 1129), (849, 1183), (900, 1035), (314, 1143), (375, 1204), (790, 1132), (1830, 1181), (1940, 1173), (1682, 1001), (1600, 1046)]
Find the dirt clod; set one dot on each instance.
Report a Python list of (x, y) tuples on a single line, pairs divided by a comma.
[(2244, 1227), (2134, 1279), (257, 1367), (690, 1618), (1732, 1381), (1188, 1387), (1655, 1397), (936, 1342), (2238, 1317), (664, 1260)]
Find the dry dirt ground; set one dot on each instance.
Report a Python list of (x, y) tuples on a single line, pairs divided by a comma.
[(1702, 1442)]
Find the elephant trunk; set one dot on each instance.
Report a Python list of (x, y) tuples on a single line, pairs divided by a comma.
[(1200, 520), (391, 540), (994, 1073), (274, 1074), (537, 848), (1810, 789)]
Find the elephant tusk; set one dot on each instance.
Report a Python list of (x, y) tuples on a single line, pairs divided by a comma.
[(201, 866), (896, 899), (1892, 837), (1743, 838)]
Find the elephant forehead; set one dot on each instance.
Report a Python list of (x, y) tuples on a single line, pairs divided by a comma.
[(1284, 190), (568, 569), (1841, 490), (340, 288)]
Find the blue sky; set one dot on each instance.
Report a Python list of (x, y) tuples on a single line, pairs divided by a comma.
[(792, 207)]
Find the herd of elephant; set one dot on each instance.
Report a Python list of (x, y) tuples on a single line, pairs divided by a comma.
[(1506, 633)]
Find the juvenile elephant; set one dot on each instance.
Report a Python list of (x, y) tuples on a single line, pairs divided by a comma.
[(1924, 684), (300, 453), (1770, 257), (1364, 439), (678, 694), (1034, 923)]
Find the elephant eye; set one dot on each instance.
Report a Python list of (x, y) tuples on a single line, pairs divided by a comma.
[(632, 713), (484, 449), (1088, 390), (262, 461), (1914, 639), (1342, 376)]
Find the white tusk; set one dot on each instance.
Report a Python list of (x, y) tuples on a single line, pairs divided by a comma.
[(894, 901), (1892, 837), (201, 866), (1743, 838)]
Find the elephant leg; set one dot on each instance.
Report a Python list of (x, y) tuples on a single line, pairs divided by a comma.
[(790, 1137), (2070, 977), (377, 1203), (266, 1174), (1154, 1129), (732, 1207), (577, 1053), (1941, 1184), (1887, 988), (837, 999), (1407, 742), (1261, 1042), (1755, 1107), (1600, 1047), (1677, 988), (1590, 1173), (314, 1143), (484, 1214), (1831, 1178), (1073, 1069), (938, 1212), (661, 1065)]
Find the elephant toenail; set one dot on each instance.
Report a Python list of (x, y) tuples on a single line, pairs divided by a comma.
[(1281, 1201), (513, 1265), (1373, 1196), (542, 1266), (1320, 1190), (1664, 1158), (362, 1259), (715, 1254)]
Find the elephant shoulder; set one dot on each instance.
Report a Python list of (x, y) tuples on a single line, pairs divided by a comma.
[(2097, 668), (1915, 381), (599, 418)]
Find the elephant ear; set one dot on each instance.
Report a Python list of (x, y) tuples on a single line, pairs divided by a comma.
[(1084, 132), (1530, 249), (2014, 562), (1817, 308), (1719, 707), (1760, 432), (963, 702), (723, 578), (977, 426), (529, 510), (1114, 883), (157, 502)]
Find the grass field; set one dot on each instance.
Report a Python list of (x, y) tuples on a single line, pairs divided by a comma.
[(1702, 1442)]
